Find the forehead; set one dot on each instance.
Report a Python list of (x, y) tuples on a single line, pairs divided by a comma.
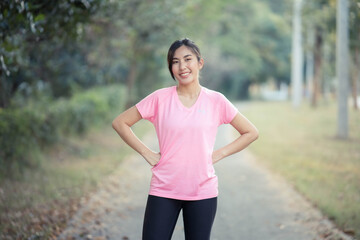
[(182, 52)]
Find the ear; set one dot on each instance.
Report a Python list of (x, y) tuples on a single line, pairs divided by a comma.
[(201, 63)]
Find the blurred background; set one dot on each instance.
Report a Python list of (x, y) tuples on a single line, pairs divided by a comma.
[(68, 67)]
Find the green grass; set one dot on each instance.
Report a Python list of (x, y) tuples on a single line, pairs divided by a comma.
[(300, 144), (70, 171)]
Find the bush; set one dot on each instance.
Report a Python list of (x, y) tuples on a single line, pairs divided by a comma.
[(16, 140), (25, 131)]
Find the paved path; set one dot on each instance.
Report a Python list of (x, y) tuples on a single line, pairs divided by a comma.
[(254, 204)]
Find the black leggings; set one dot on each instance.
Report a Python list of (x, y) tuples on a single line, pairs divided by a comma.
[(161, 215)]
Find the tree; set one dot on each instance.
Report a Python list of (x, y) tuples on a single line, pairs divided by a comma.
[(144, 37), (318, 57), (249, 43), (24, 24), (342, 66), (297, 56), (354, 23), (319, 22), (309, 65)]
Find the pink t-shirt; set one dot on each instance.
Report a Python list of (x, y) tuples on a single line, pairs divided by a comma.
[(186, 139)]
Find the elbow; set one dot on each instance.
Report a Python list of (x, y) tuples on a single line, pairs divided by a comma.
[(116, 124), (119, 125), (255, 134), (113, 124)]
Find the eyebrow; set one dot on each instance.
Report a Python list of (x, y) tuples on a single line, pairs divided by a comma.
[(189, 55)]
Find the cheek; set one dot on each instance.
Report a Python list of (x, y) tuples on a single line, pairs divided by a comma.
[(195, 66), (174, 69)]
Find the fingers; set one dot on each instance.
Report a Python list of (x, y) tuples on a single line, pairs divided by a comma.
[(154, 159)]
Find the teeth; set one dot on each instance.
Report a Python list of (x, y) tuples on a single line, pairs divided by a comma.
[(184, 74)]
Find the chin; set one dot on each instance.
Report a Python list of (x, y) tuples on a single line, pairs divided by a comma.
[(186, 81)]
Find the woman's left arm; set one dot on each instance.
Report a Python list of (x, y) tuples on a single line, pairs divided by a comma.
[(248, 134)]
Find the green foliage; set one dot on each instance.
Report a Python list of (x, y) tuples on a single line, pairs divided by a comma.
[(25, 24), (320, 17), (17, 138), (86, 43), (138, 45), (249, 43), (27, 130), (34, 21), (91, 42), (354, 24)]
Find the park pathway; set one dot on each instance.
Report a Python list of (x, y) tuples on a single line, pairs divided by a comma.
[(253, 203)]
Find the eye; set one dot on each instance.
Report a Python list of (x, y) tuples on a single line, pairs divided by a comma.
[(188, 59), (175, 61)]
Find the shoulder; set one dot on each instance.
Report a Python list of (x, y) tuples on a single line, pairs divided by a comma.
[(160, 94), (213, 95), (163, 91)]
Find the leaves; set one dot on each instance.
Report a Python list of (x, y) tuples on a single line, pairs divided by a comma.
[(41, 222), (25, 23), (249, 43)]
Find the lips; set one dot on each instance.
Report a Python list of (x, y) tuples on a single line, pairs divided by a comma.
[(185, 74)]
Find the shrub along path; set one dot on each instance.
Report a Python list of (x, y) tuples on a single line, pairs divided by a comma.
[(253, 203)]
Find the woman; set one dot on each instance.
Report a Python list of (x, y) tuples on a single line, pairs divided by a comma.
[(186, 118)]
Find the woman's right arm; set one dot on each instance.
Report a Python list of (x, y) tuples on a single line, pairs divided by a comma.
[(122, 125)]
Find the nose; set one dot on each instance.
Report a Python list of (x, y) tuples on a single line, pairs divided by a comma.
[(182, 65)]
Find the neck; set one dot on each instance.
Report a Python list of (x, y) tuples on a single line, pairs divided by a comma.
[(191, 90)]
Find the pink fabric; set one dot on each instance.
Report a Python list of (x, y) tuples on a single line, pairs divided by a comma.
[(186, 140)]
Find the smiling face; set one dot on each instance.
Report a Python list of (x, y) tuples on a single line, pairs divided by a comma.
[(186, 66)]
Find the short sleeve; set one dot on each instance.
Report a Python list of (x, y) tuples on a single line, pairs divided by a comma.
[(227, 110), (147, 107)]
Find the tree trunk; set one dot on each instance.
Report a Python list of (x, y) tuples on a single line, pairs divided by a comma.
[(309, 70), (130, 84), (318, 66), (235, 87), (326, 76), (4, 89), (297, 56), (355, 78), (4, 92), (342, 66)]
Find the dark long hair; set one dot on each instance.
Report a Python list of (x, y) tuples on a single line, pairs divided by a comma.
[(178, 43)]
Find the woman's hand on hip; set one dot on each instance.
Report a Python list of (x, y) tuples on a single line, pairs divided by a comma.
[(152, 157), (217, 156)]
